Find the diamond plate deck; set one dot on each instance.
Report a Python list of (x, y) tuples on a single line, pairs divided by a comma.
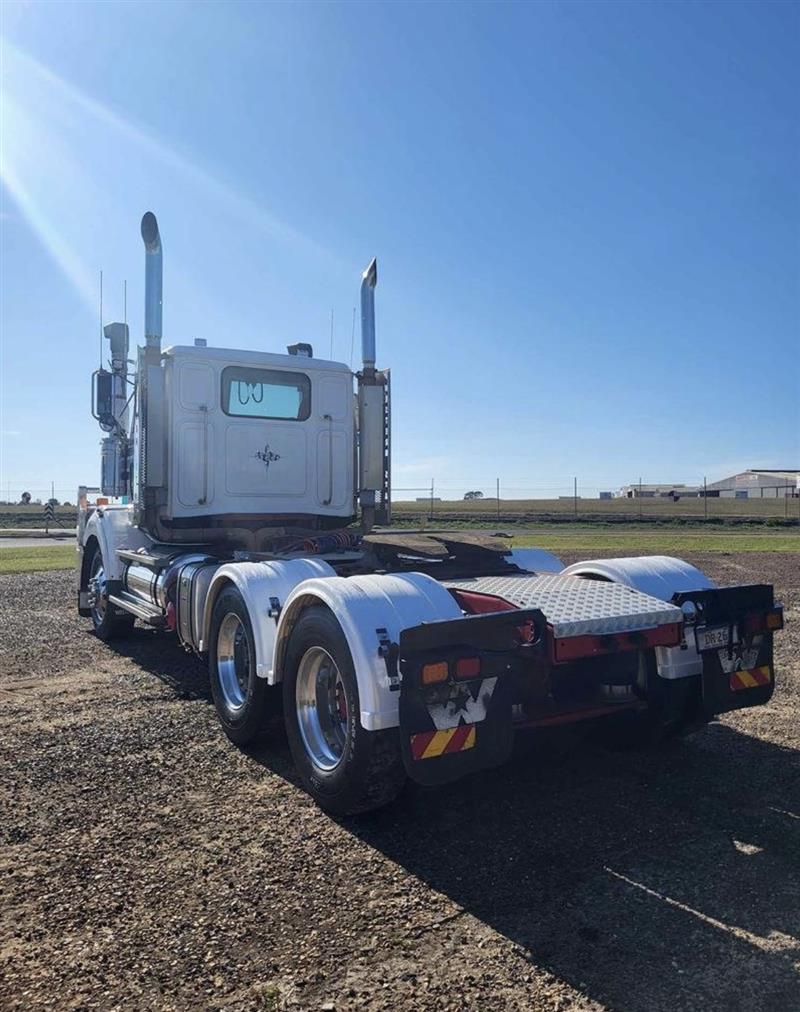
[(576, 607)]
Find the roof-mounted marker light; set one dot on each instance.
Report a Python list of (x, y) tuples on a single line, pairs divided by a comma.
[(301, 349)]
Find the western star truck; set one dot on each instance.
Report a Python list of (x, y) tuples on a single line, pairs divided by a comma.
[(244, 508)]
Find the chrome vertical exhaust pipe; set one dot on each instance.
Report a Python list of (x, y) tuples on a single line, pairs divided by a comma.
[(153, 281), (368, 281)]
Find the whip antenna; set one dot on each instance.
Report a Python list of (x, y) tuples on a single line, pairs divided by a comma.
[(101, 319)]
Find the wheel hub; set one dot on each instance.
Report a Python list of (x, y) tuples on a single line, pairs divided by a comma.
[(322, 713), (233, 661), (98, 590)]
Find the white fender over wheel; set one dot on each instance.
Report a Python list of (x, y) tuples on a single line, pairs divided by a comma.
[(660, 576)]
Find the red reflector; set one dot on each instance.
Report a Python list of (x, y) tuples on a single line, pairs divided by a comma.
[(468, 667)]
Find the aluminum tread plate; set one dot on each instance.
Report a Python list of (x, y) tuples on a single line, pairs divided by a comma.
[(576, 607)]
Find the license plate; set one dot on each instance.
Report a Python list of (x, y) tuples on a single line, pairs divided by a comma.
[(714, 638)]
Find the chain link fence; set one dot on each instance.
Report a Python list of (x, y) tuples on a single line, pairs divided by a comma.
[(514, 502), (507, 502)]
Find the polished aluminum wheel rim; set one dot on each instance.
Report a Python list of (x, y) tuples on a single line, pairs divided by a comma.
[(233, 661), (98, 588), (322, 714)]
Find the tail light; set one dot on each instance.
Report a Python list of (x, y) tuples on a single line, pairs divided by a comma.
[(463, 668), (770, 621), (468, 667)]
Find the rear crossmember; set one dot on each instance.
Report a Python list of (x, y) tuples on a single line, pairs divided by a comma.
[(457, 676)]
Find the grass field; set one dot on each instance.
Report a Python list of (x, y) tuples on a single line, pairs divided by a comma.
[(659, 542), (511, 510), (34, 560)]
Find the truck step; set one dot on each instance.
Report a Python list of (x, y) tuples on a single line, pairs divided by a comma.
[(136, 606)]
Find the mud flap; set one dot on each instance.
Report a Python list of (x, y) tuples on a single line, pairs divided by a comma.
[(738, 666), (461, 726)]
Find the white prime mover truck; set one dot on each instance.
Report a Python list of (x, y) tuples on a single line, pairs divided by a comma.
[(244, 508)]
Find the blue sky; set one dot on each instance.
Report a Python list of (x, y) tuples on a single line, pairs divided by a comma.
[(586, 218)]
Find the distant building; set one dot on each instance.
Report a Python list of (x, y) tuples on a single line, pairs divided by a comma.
[(657, 491), (606, 495), (758, 483)]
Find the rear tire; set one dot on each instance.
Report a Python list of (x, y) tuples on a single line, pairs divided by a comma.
[(345, 768), (107, 624), (243, 701)]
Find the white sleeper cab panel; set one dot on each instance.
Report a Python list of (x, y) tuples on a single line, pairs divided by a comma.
[(195, 463), (265, 459), (253, 432), (196, 389), (335, 397)]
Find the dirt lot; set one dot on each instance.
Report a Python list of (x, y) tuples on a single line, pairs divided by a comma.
[(146, 863)]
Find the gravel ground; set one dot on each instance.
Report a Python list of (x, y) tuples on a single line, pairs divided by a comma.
[(146, 863)]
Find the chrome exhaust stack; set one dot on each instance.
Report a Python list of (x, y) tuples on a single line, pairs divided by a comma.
[(153, 281), (151, 492), (373, 416), (369, 280)]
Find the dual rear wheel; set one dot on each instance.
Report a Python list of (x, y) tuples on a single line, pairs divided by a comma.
[(344, 767)]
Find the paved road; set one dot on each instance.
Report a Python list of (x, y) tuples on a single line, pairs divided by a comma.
[(34, 542)]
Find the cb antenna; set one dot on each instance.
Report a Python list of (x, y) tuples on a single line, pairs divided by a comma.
[(101, 319), (125, 302)]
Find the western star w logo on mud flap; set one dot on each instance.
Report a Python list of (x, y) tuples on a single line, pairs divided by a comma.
[(466, 703)]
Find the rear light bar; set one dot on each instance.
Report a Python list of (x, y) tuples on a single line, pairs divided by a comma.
[(464, 668), (573, 648)]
